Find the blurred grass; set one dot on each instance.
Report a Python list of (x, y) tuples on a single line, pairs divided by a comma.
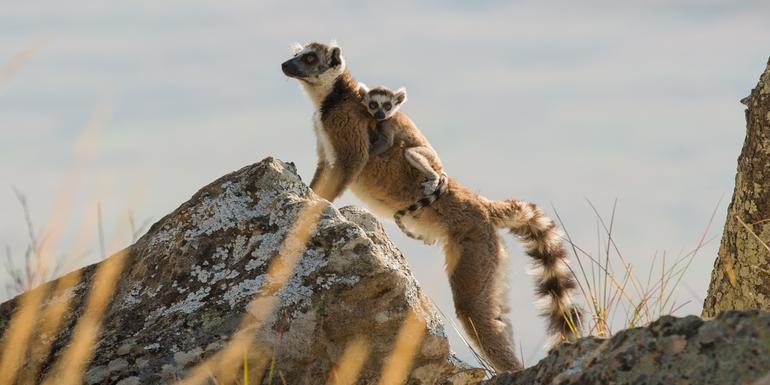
[(21, 59)]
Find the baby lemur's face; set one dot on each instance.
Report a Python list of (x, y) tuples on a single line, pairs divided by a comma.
[(381, 102)]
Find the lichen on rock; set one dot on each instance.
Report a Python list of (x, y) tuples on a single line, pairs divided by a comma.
[(188, 282), (734, 348)]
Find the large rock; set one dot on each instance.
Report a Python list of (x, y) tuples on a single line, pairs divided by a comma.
[(314, 304), (740, 279), (732, 349)]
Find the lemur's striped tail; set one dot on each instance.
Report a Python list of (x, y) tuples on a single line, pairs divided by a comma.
[(419, 205), (555, 282)]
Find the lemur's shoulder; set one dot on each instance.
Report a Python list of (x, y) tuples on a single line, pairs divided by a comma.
[(342, 96), (341, 108)]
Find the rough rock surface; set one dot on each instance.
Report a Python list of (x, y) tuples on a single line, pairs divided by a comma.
[(186, 285), (734, 348), (741, 275)]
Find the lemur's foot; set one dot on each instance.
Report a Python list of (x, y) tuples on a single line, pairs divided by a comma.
[(430, 186), (442, 178)]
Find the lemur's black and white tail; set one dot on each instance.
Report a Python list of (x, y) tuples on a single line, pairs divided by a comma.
[(555, 282), (419, 205)]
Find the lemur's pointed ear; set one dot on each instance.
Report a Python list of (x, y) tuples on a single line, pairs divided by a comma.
[(401, 95), (336, 58), (363, 89), (296, 48)]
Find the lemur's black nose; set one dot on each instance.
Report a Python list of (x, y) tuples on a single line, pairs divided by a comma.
[(379, 114), (287, 69)]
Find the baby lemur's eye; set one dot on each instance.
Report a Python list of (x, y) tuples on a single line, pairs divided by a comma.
[(309, 58), (373, 105), (387, 106)]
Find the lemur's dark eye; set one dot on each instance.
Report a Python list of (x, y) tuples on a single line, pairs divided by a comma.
[(309, 58), (373, 105), (387, 106)]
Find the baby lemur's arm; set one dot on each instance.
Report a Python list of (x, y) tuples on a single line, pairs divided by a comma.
[(385, 133)]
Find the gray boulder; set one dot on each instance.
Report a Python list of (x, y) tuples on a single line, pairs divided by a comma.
[(234, 277)]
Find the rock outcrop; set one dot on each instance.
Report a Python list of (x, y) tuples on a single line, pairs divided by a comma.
[(741, 279), (732, 349), (253, 276)]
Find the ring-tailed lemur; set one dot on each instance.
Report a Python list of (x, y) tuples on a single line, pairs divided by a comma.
[(382, 103), (465, 222)]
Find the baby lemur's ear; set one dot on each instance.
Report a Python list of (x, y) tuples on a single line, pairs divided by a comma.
[(363, 90), (400, 96)]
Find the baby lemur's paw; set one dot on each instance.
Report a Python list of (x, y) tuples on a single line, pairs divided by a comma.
[(429, 186)]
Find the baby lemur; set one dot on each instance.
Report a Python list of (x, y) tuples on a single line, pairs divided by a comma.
[(464, 222), (382, 103)]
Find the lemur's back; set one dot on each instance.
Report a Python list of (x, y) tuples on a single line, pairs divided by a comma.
[(387, 181), (406, 131)]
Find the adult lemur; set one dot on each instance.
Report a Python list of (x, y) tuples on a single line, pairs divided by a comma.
[(464, 222)]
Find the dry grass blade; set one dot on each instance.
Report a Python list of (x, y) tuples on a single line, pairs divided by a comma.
[(587, 289), (72, 363), (25, 317), (479, 359), (349, 365), (51, 321), (54, 312), (702, 242), (610, 241), (19, 60), (611, 296), (70, 367), (245, 369), (26, 277), (18, 333), (398, 363), (753, 234)]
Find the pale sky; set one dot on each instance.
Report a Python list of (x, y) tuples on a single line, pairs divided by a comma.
[(136, 105)]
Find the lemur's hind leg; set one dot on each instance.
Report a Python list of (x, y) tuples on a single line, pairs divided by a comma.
[(421, 158), (475, 264)]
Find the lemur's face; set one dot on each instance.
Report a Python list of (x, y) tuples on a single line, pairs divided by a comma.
[(314, 63), (382, 102)]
